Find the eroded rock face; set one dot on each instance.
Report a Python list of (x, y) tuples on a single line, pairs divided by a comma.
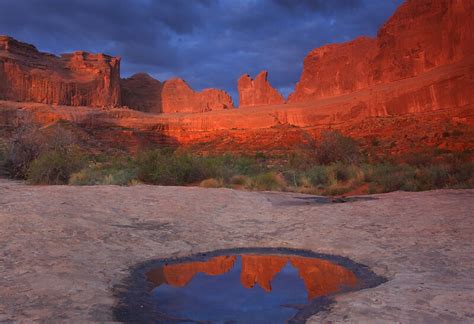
[(77, 79), (257, 92), (142, 92), (335, 69), (178, 96), (420, 36)]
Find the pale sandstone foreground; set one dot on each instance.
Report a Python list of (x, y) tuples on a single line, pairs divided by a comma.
[(63, 249)]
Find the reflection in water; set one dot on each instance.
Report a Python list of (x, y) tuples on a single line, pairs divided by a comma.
[(255, 288)]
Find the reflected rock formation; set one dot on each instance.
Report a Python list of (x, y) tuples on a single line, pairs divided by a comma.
[(180, 274), (320, 277)]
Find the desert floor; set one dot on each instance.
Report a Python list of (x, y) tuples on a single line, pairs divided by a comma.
[(63, 249)]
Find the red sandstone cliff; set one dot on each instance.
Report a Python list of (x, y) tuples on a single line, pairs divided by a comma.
[(142, 92), (420, 36), (78, 79), (257, 92), (177, 96)]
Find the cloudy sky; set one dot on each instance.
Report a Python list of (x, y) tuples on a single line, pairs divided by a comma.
[(209, 43)]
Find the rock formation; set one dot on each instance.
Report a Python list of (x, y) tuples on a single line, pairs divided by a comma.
[(142, 92), (420, 36), (177, 96), (322, 277), (260, 270), (257, 92), (77, 79), (180, 274)]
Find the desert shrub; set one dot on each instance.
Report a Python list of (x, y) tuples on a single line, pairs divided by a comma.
[(317, 175), (336, 189), (463, 172), (103, 176), (227, 166), (335, 147), (260, 156), (157, 167), (268, 181), (420, 159), (211, 183), (28, 142), (3, 156), (239, 180), (390, 177), (55, 167), (432, 177), (342, 172), (301, 160), (165, 168), (25, 145)]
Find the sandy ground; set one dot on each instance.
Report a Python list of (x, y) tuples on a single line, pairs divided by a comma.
[(63, 248)]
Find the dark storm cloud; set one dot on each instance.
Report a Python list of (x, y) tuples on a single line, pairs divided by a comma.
[(209, 43)]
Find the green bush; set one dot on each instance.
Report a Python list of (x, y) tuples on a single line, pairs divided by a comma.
[(55, 167)]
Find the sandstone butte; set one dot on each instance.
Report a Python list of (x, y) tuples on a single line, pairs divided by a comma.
[(177, 96), (320, 277), (405, 88), (144, 93), (77, 79), (257, 92)]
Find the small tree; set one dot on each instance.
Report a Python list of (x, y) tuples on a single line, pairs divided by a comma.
[(25, 145), (335, 147)]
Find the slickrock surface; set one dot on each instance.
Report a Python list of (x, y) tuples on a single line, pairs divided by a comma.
[(258, 92), (77, 79), (63, 249)]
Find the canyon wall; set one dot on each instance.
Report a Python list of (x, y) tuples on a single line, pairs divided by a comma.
[(420, 36), (257, 92), (77, 79)]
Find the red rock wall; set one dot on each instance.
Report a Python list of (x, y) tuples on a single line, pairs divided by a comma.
[(177, 96), (142, 92), (257, 92), (421, 35), (78, 79)]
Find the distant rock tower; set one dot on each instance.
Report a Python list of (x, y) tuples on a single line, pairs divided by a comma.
[(257, 92)]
